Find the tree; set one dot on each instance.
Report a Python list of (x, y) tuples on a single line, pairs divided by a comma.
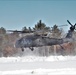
[(47, 28), (29, 29), (41, 26), (24, 29), (56, 32), (2, 30)]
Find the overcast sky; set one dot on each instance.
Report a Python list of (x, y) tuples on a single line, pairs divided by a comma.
[(15, 14)]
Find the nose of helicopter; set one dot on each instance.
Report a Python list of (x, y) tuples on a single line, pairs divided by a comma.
[(21, 43), (17, 44)]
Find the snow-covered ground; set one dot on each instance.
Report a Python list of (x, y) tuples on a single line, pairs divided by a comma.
[(35, 65)]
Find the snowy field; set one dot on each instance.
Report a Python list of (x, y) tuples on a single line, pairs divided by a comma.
[(35, 65)]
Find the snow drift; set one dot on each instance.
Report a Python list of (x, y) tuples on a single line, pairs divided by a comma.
[(36, 65)]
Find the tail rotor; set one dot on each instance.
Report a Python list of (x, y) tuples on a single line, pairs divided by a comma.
[(72, 28)]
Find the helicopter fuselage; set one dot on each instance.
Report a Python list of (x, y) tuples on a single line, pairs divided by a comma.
[(39, 41)]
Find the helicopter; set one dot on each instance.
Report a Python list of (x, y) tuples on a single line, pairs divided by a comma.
[(32, 41)]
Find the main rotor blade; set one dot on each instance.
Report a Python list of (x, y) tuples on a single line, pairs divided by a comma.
[(20, 31), (75, 24), (69, 22), (12, 30), (63, 25)]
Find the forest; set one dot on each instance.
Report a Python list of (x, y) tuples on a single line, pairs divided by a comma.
[(8, 39)]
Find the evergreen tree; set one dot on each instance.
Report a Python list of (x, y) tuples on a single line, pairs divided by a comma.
[(56, 32), (41, 26), (24, 29), (29, 29), (2, 30)]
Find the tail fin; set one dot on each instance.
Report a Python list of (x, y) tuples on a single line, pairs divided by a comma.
[(69, 34)]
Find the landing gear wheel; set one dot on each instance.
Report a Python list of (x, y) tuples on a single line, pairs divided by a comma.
[(22, 49), (31, 48)]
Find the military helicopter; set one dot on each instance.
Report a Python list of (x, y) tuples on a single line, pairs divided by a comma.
[(32, 41)]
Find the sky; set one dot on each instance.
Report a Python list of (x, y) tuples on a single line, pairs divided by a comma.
[(15, 14)]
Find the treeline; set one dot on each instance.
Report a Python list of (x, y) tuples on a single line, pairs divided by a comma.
[(42, 26), (38, 26), (7, 40)]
